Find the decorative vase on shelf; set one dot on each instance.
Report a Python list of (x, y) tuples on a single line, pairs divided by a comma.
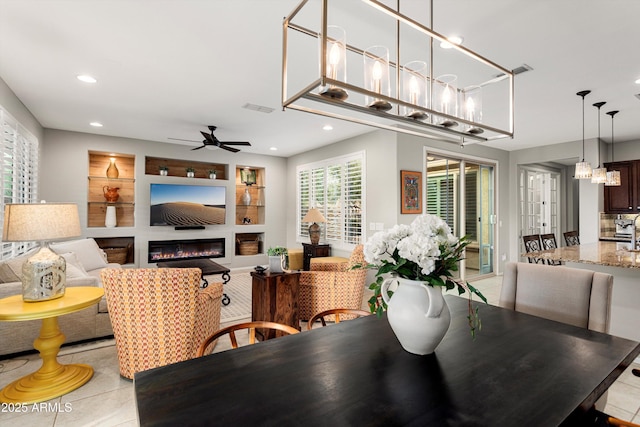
[(212, 174), (112, 170), (164, 171), (246, 197), (417, 313), (110, 217), (111, 193), (191, 173)]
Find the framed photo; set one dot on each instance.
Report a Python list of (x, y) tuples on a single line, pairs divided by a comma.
[(411, 192), (248, 176)]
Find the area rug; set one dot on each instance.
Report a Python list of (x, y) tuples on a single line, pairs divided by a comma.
[(239, 291)]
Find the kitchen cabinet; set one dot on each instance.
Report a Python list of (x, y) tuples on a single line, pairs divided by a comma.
[(626, 197)]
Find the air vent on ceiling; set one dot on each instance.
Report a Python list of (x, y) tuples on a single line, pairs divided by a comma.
[(259, 108), (637, 95)]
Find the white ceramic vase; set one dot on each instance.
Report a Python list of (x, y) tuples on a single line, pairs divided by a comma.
[(418, 314), (110, 217)]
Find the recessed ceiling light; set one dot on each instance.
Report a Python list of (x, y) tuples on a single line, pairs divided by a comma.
[(273, 148), (638, 82), (451, 41), (327, 127), (86, 78), (96, 124)]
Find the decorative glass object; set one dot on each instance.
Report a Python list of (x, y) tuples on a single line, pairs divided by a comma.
[(212, 174), (583, 170), (164, 171), (246, 197), (376, 76), (336, 62), (473, 108), (445, 97), (414, 88), (112, 170), (191, 172)]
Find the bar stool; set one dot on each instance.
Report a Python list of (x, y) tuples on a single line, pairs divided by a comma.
[(571, 238), (549, 242), (532, 244)]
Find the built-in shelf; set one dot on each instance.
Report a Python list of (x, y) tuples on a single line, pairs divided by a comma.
[(99, 185), (250, 199), (248, 243), (177, 167)]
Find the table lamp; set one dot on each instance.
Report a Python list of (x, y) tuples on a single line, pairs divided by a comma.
[(44, 273), (314, 215)]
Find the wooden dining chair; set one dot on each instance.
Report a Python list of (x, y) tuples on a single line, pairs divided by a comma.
[(571, 238), (251, 326), (532, 244), (548, 241), (350, 313)]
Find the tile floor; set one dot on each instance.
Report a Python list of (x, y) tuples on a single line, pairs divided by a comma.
[(108, 399)]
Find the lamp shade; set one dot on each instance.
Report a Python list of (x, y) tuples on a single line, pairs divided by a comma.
[(40, 222), (314, 215)]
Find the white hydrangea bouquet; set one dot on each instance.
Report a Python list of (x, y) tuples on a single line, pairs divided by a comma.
[(424, 251)]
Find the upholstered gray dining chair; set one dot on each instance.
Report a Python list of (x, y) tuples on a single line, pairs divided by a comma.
[(569, 295)]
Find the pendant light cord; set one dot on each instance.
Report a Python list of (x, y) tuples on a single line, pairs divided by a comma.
[(598, 105)]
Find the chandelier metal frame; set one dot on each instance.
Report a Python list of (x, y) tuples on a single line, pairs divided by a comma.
[(390, 120)]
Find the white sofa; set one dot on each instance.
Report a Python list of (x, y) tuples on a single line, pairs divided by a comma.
[(85, 260)]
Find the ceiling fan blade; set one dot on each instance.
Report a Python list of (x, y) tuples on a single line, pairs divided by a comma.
[(233, 150), (180, 139), (207, 137), (197, 148), (235, 142)]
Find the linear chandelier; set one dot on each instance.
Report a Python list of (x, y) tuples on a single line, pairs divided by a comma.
[(399, 77)]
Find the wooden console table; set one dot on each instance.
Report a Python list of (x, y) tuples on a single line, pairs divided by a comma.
[(274, 298), (313, 251)]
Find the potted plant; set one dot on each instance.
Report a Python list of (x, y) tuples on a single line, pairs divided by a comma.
[(212, 174), (164, 170), (191, 172), (417, 261), (278, 259)]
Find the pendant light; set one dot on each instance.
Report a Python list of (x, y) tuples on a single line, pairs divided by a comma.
[(613, 176), (599, 174), (583, 169)]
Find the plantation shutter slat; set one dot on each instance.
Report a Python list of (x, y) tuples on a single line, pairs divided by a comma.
[(335, 188), (19, 174)]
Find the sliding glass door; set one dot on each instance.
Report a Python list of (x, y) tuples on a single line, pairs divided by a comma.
[(465, 200)]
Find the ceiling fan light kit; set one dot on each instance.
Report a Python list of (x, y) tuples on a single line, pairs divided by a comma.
[(376, 90), (210, 140)]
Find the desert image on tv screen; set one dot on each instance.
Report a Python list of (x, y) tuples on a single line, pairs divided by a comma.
[(187, 205)]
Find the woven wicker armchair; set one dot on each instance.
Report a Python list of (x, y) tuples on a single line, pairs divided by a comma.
[(324, 290), (159, 315)]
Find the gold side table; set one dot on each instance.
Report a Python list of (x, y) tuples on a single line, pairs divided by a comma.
[(52, 379)]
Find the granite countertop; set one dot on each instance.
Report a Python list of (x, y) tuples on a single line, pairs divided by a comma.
[(601, 253)]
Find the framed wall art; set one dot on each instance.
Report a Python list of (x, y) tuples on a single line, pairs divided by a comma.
[(411, 192)]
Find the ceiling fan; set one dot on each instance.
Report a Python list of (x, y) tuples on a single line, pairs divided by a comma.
[(210, 139)]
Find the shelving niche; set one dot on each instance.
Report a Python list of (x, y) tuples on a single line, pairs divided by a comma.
[(250, 212), (177, 167), (98, 181)]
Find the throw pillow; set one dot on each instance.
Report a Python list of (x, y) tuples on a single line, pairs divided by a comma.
[(87, 250), (11, 269), (74, 267)]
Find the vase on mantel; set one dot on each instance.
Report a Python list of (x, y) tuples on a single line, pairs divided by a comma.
[(417, 313)]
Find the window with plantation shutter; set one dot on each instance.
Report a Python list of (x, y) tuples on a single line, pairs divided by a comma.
[(19, 171), (336, 188)]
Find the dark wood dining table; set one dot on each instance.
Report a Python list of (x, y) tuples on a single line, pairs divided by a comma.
[(520, 370)]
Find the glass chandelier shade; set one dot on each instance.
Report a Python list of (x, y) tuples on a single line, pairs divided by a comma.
[(446, 98), (599, 174), (336, 62), (414, 88), (613, 176), (376, 76), (473, 107), (583, 169)]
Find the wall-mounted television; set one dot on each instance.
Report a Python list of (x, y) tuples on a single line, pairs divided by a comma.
[(187, 206)]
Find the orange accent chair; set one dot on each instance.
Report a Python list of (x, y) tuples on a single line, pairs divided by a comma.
[(159, 315), (325, 290)]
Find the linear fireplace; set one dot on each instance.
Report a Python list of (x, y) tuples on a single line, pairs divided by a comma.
[(167, 250)]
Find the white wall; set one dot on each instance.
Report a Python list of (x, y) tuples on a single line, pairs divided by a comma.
[(17, 109), (64, 179)]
